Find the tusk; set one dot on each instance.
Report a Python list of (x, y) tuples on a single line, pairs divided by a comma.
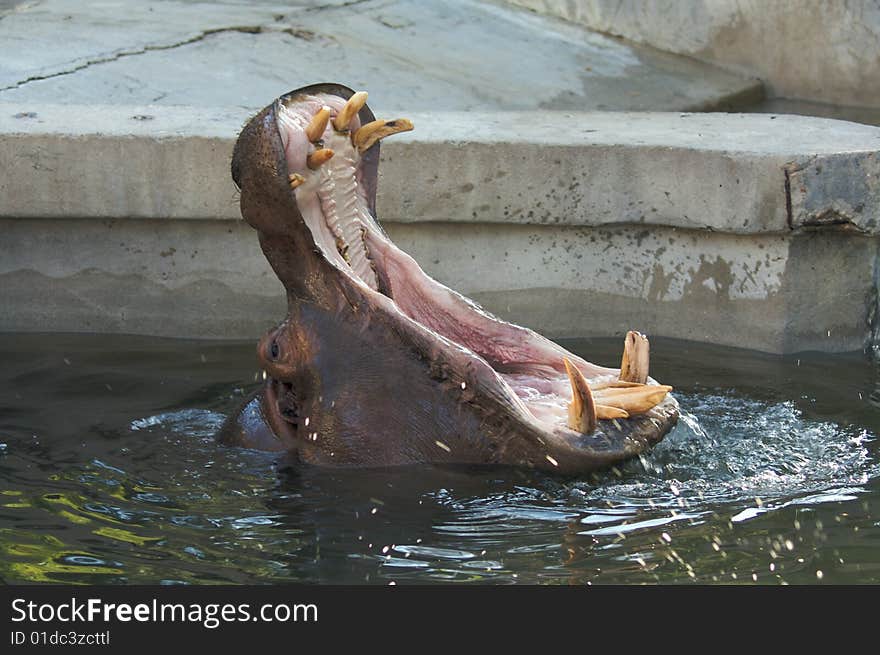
[(630, 391), (638, 401), (636, 355), (319, 157), (366, 135), (349, 111), (315, 129), (614, 384), (581, 410), (608, 412), (295, 180)]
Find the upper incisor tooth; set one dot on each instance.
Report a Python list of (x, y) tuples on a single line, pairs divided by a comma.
[(366, 135), (319, 157), (316, 127), (349, 111)]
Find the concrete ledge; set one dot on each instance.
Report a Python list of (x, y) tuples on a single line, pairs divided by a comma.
[(743, 230), (849, 197), (736, 173)]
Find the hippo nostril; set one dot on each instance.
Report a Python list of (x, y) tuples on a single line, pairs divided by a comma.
[(274, 350)]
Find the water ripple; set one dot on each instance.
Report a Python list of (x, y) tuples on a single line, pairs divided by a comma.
[(758, 482)]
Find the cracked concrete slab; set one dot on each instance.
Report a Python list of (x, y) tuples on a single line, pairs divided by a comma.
[(414, 55)]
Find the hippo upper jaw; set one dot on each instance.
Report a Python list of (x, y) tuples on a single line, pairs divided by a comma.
[(377, 363)]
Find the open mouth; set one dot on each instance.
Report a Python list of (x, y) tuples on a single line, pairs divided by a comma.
[(326, 145)]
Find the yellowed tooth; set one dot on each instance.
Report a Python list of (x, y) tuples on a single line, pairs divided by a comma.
[(316, 127), (349, 111), (636, 356), (639, 400), (366, 135), (634, 390), (319, 157), (581, 409), (295, 180), (614, 384), (606, 412)]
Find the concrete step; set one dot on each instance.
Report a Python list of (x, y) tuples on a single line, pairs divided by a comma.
[(735, 173), (757, 231)]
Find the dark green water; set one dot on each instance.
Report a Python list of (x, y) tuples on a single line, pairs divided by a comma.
[(109, 475)]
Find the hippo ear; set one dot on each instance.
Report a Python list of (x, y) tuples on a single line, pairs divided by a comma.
[(370, 159)]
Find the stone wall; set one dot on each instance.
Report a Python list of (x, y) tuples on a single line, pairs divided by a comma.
[(749, 230), (810, 49)]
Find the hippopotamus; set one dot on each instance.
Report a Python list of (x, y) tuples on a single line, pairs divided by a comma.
[(378, 364)]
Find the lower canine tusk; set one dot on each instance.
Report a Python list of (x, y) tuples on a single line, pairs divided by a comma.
[(636, 358), (614, 384), (581, 411), (607, 412), (635, 400), (367, 135), (319, 157), (349, 111)]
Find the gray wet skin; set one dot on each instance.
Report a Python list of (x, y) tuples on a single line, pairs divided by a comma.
[(377, 364)]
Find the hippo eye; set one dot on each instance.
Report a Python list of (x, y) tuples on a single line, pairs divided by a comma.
[(274, 350)]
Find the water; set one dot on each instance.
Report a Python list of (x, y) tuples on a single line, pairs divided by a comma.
[(109, 475), (866, 115)]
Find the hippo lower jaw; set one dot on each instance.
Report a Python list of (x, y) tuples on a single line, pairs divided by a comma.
[(444, 380)]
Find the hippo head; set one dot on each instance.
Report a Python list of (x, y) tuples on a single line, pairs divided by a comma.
[(378, 364)]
